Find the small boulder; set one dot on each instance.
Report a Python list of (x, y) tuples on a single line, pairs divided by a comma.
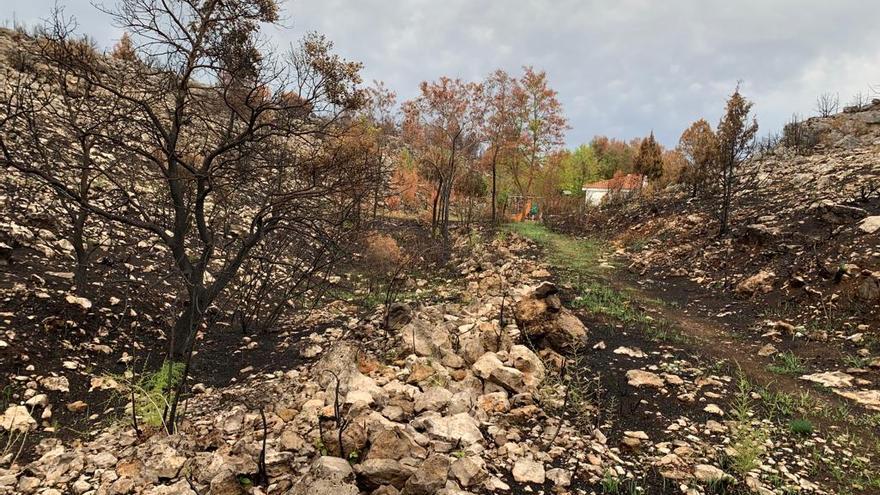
[(377, 472), (529, 364), (469, 471), (429, 477), (433, 399), (706, 473), (457, 428), (869, 289), (329, 467), (394, 443), (641, 378), (541, 316), (760, 283), (870, 225), (528, 471), (560, 477), (17, 418)]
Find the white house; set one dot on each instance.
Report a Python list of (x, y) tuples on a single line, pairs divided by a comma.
[(595, 192)]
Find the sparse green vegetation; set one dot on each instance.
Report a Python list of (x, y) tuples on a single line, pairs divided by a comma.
[(777, 405), (611, 484), (855, 361), (749, 434), (152, 391), (579, 262), (599, 298), (576, 258), (787, 363), (801, 427)]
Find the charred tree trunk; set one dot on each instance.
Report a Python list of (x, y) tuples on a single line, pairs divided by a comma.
[(183, 334), (81, 252)]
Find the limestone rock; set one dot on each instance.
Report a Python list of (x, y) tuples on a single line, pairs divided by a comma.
[(328, 467), (429, 477), (424, 338), (541, 316), (486, 364), (377, 472), (469, 471), (832, 379), (869, 289), (870, 225), (433, 399), (760, 283), (17, 418), (706, 473), (394, 443), (460, 427), (560, 477), (641, 378), (528, 471), (529, 364)]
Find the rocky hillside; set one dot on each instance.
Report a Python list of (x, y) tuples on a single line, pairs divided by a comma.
[(505, 361), (806, 230), (489, 385)]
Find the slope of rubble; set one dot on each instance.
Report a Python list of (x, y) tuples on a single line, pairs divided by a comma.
[(805, 224), (799, 275), (459, 396)]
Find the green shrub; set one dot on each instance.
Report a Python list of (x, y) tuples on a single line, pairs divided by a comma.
[(787, 363), (800, 427), (153, 391)]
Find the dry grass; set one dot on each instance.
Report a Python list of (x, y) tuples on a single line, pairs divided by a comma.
[(382, 252)]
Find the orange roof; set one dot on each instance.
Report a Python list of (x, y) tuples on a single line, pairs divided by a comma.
[(628, 181)]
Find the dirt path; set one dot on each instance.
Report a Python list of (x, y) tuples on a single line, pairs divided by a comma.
[(732, 332), (705, 352)]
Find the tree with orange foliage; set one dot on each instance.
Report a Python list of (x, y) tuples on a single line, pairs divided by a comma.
[(649, 160), (440, 127), (699, 147), (124, 49), (542, 127), (499, 129), (736, 135), (674, 163), (382, 124)]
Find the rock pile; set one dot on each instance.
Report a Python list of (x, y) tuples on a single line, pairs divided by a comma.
[(431, 410)]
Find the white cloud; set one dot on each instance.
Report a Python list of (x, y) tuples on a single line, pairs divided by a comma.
[(621, 67)]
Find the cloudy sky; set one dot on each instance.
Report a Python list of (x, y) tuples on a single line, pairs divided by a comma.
[(622, 67)]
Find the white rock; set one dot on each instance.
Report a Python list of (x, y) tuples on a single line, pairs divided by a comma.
[(469, 470), (528, 471), (709, 474), (433, 399), (714, 409), (79, 301), (833, 379), (458, 427), (870, 225), (487, 363), (640, 378), (55, 384), (559, 477), (17, 418), (626, 351)]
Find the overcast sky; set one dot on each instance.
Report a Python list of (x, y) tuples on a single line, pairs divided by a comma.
[(622, 67)]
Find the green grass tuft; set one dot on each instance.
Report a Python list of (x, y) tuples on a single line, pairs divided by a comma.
[(153, 391), (788, 363), (800, 427), (579, 262)]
